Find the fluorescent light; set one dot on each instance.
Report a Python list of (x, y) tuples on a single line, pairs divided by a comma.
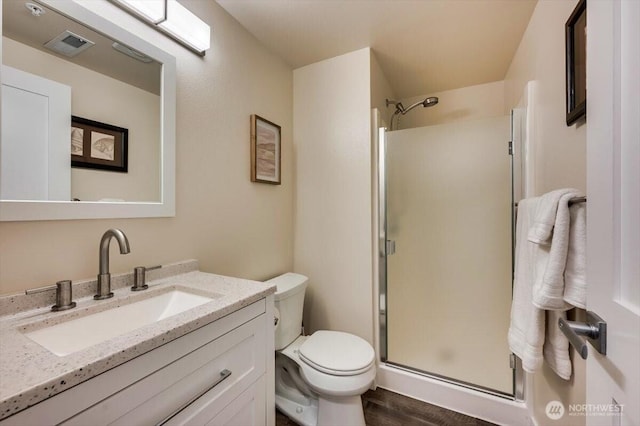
[(172, 18), (153, 11), (186, 26)]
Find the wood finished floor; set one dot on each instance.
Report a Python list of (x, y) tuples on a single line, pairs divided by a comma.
[(386, 408)]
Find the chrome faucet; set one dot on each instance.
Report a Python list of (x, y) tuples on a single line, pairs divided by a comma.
[(104, 277)]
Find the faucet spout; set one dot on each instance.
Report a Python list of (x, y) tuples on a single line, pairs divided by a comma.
[(104, 277)]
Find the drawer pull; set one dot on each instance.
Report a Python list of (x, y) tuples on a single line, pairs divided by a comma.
[(223, 375)]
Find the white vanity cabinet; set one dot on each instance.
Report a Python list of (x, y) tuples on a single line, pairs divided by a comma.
[(218, 374)]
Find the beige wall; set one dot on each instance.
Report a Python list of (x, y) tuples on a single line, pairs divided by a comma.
[(381, 90), (560, 159), (120, 105), (332, 145), (457, 105), (231, 225)]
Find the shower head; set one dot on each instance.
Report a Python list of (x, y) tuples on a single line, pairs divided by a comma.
[(431, 101), (400, 109), (428, 102)]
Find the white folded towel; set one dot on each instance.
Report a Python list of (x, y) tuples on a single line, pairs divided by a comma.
[(527, 328), (542, 224), (539, 283), (549, 286), (556, 345), (575, 274)]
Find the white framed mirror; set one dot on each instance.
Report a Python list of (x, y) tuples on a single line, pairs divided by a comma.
[(119, 82)]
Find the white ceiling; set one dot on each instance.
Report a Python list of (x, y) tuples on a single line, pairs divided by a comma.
[(20, 25), (423, 46)]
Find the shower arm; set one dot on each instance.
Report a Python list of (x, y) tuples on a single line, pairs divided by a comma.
[(406, 110), (394, 116)]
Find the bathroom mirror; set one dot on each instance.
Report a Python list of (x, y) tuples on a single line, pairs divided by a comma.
[(113, 79)]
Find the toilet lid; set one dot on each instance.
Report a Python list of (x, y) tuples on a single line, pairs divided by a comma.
[(337, 353)]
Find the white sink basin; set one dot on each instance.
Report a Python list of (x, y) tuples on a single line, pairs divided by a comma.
[(80, 333)]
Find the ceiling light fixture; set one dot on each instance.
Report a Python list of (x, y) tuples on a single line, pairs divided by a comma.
[(131, 52), (34, 9), (173, 19)]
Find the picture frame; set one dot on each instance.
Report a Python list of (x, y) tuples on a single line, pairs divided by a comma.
[(99, 146), (576, 64), (265, 151)]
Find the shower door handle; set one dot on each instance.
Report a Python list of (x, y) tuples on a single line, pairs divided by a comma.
[(391, 247)]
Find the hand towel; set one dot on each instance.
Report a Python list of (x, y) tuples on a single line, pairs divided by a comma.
[(549, 286), (556, 345), (527, 327), (542, 224), (575, 276), (533, 334)]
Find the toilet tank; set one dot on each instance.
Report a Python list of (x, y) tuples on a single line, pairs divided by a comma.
[(289, 301)]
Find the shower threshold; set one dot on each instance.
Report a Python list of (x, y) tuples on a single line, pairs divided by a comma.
[(449, 380)]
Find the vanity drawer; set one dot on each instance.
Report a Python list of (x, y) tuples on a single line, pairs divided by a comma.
[(156, 397), (247, 409)]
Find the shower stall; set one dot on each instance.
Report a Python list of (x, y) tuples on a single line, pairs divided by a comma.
[(445, 227)]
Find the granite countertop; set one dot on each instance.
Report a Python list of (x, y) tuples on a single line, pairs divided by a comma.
[(29, 373)]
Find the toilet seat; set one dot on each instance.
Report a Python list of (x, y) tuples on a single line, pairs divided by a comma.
[(330, 384), (337, 353)]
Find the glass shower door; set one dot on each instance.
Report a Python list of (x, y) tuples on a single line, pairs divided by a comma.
[(448, 286)]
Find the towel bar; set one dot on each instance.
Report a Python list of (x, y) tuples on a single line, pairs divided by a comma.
[(577, 200), (572, 201)]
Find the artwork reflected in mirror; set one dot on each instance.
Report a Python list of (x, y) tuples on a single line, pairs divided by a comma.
[(100, 146)]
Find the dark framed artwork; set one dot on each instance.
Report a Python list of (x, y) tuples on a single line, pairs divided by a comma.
[(265, 151), (96, 145), (576, 63)]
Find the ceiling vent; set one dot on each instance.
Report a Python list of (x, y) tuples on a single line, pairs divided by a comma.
[(69, 44)]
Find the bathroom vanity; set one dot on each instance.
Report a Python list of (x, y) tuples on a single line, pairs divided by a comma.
[(210, 364)]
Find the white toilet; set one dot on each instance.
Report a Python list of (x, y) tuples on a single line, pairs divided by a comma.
[(319, 378)]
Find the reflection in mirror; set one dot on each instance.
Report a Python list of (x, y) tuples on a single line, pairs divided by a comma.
[(113, 86), (53, 68)]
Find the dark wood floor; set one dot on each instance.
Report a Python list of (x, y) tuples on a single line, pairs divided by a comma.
[(385, 408)]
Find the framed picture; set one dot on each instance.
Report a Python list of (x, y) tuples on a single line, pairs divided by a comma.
[(265, 151), (576, 63), (96, 145)]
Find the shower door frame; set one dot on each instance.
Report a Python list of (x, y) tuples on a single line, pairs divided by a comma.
[(516, 365)]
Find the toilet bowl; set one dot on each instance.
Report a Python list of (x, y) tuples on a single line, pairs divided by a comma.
[(319, 378)]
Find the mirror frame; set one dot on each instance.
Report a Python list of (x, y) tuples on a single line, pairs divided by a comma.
[(14, 210)]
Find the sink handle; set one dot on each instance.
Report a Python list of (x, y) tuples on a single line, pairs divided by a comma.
[(140, 278), (64, 299), (63, 296)]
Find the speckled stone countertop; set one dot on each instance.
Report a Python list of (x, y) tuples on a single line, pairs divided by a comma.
[(29, 373)]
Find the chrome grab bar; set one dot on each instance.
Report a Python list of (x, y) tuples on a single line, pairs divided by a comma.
[(223, 375)]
